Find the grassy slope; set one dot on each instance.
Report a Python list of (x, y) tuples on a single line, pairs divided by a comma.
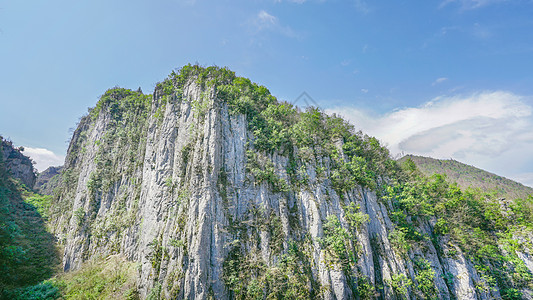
[(104, 278), (469, 176), (28, 255), (27, 250)]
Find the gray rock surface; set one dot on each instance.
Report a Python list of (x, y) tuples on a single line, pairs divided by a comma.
[(173, 204), (18, 165), (47, 180)]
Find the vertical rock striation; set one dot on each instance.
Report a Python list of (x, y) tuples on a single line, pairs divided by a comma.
[(204, 196), (18, 165), (47, 180)]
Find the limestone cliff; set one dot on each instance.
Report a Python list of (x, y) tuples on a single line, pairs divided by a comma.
[(47, 180), (18, 165), (220, 191)]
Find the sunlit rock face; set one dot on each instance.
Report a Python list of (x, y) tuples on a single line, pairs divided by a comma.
[(178, 182)]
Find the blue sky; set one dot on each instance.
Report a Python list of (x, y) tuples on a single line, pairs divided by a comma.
[(449, 78)]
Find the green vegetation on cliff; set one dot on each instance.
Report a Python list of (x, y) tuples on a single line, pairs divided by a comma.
[(350, 182), (468, 176), (487, 229), (476, 221), (281, 127)]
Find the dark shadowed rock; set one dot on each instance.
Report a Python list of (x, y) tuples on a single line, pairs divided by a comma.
[(18, 165)]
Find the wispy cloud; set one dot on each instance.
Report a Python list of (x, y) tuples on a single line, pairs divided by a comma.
[(361, 6), (481, 32), (476, 30), (525, 178), (43, 158), (491, 130), (293, 1), (470, 4), (439, 80), (264, 21)]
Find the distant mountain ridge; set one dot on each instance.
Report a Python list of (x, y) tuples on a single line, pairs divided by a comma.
[(47, 180), (470, 176)]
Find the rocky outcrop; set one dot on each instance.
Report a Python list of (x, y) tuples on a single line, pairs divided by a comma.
[(182, 184), (18, 165), (47, 180)]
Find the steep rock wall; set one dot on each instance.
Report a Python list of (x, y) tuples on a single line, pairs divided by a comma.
[(18, 165), (47, 180), (175, 182)]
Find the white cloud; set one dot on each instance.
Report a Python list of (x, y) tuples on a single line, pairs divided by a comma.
[(43, 158), (439, 80), (491, 130), (525, 178), (264, 21)]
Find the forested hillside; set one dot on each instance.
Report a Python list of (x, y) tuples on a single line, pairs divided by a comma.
[(28, 251), (469, 176)]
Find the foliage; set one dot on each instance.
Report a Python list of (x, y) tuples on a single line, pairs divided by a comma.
[(265, 173), (155, 292), (281, 127), (477, 221), (248, 277), (337, 242), (102, 278), (245, 273), (109, 278), (119, 152), (43, 291), (425, 279), (469, 176), (398, 240), (156, 254), (355, 217), (400, 283), (41, 203), (27, 250), (365, 289)]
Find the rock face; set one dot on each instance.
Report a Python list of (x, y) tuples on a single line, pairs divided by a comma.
[(182, 184), (18, 165), (47, 180)]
